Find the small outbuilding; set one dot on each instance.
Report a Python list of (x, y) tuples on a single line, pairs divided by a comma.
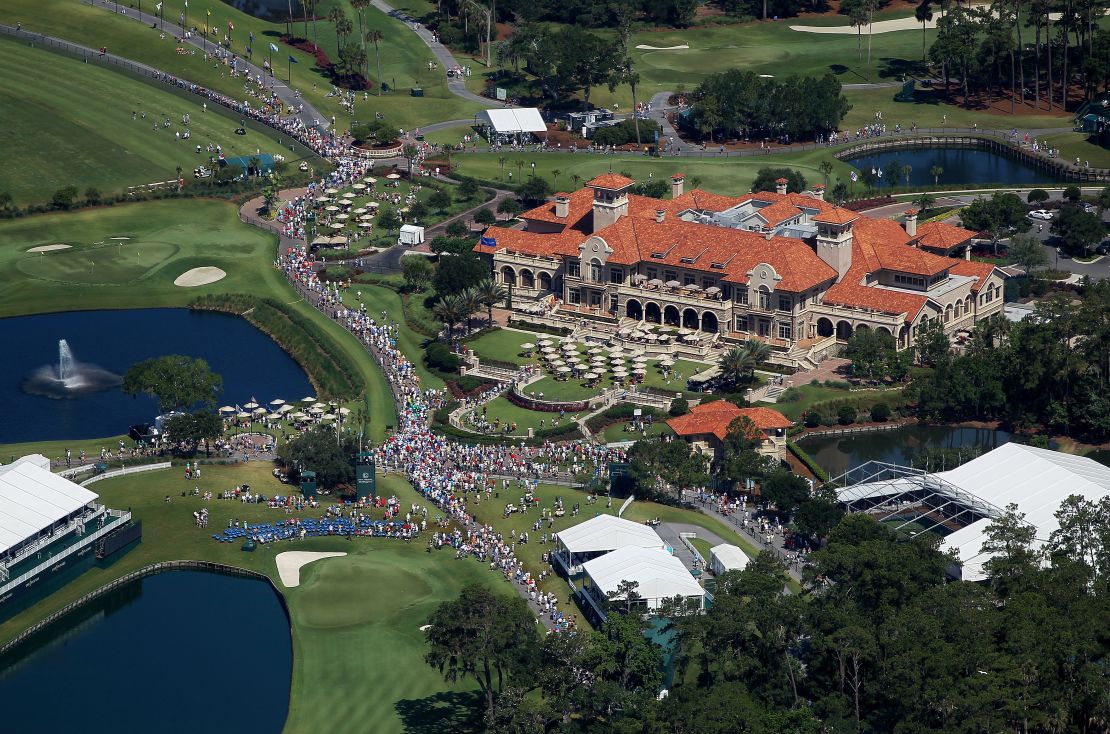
[(411, 234), (725, 557)]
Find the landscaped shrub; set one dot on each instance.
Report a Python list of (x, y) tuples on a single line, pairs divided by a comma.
[(808, 460), (679, 406), (880, 412), (813, 419), (438, 357), (846, 415)]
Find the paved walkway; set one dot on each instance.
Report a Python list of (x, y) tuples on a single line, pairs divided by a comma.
[(289, 96)]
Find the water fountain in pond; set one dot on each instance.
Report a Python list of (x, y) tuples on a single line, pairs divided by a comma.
[(69, 378)]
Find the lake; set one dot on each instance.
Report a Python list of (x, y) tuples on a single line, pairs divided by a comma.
[(961, 166), (251, 364), (838, 454), (182, 651)]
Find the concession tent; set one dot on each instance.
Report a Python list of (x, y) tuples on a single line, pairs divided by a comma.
[(35, 502), (725, 557), (658, 576), (510, 124), (600, 535)]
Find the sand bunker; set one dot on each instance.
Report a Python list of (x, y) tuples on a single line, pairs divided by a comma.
[(883, 26), (49, 248), (199, 276), (289, 564), (646, 47), (425, 628), (119, 238)]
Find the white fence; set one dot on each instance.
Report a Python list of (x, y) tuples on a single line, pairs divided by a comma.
[(128, 470)]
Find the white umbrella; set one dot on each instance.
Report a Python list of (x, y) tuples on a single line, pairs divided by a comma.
[(321, 199), (316, 409), (327, 417), (639, 371), (528, 346), (366, 225), (596, 350), (393, 176), (620, 372), (227, 409), (591, 375), (342, 216), (683, 332), (251, 404), (242, 415), (331, 191), (673, 284), (655, 282), (358, 186), (563, 370), (360, 210), (277, 401), (298, 416), (259, 411), (344, 411), (652, 337), (372, 205), (286, 408), (370, 179), (337, 225), (309, 399)]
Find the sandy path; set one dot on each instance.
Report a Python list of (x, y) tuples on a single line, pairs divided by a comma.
[(49, 248), (289, 564), (199, 276)]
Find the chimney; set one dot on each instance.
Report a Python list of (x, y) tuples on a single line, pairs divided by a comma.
[(911, 222), (677, 181), (819, 192), (562, 205), (780, 186), (660, 214)]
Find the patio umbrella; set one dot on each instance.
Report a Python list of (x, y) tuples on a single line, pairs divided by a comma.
[(620, 372), (673, 284), (570, 348), (360, 210), (370, 180), (298, 416), (344, 411), (393, 176), (563, 370), (337, 225), (321, 199), (639, 278), (663, 338), (639, 371), (549, 350), (277, 401), (652, 337), (713, 290), (243, 415), (259, 411), (545, 342), (358, 186), (327, 417), (316, 410), (251, 405), (331, 191), (342, 216), (691, 287), (683, 332), (527, 346), (591, 375), (655, 282), (227, 409), (286, 408), (596, 350), (366, 225), (309, 399), (372, 205)]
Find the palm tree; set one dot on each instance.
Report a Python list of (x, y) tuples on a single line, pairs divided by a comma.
[(826, 168), (359, 6), (758, 352), (923, 13), (734, 365), (343, 27), (305, 4), (374, 36), (410, 151), (575, 178), (501, 162), (555, 172), (925, 201), (490, 294), (447, 310), (906, 171), (470, 303), (334, 16), (936, 172)]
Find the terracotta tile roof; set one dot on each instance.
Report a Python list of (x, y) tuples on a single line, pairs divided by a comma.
[(675, 176), (836, 215), (581, 205), (610, 181), (779, 212), (635, 239), (715, 418), (556, 244), (941, 236), (703, 201), (884, 246), (847, 293), (980, 271)]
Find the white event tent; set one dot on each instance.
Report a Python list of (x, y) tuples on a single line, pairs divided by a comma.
[(35, 502), (511, 122), (725, 557), (600, 535), (658, 575)]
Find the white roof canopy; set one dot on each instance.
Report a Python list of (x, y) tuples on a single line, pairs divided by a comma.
[(513, 120), (659, 574), (32, 499), (608, 533), (1036, 480), (730, 557)]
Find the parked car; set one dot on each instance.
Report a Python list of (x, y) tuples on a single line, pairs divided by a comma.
[(1089, 207), (1041, 214)]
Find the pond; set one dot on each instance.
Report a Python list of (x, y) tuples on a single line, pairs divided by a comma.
[(183, 651), (104, 344), (838, 454), (961, 166), (275, 11)]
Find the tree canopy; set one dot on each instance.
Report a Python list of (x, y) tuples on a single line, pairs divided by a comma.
[(176, 381)]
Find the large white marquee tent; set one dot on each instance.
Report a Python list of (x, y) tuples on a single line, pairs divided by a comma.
[(33, 500), (658, 575)]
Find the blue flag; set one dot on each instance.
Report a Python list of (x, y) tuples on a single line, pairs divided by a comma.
[(292, 60), (487, 241), (273, 47)]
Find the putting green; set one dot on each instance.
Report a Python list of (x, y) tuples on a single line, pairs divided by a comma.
[(106, 264)]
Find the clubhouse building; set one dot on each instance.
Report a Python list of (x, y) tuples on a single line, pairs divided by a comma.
[(790, 269)]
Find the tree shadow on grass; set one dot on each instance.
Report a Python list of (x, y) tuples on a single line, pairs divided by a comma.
[(448, 712)]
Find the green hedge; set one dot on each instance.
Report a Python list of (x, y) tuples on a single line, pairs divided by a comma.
[(863, 404), (809, 461), (331, 371), (539, 328)]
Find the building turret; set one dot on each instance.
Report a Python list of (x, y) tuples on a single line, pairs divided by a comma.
[(610, 198), (834, 239)]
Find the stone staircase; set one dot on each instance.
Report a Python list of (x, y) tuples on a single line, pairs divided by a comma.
[(773, 392)]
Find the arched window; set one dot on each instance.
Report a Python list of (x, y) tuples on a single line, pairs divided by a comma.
[(595, 270)]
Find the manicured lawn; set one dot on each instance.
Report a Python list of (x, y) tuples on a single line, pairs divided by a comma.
[(167, 238), (358, 649), (501, 408), (811, 395), (380, 299), (724, 176), (616, 433), (404, 56), (929, 111), (82, 144), (504, 345), (703, 547), (56, 450), (1077, 145)]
